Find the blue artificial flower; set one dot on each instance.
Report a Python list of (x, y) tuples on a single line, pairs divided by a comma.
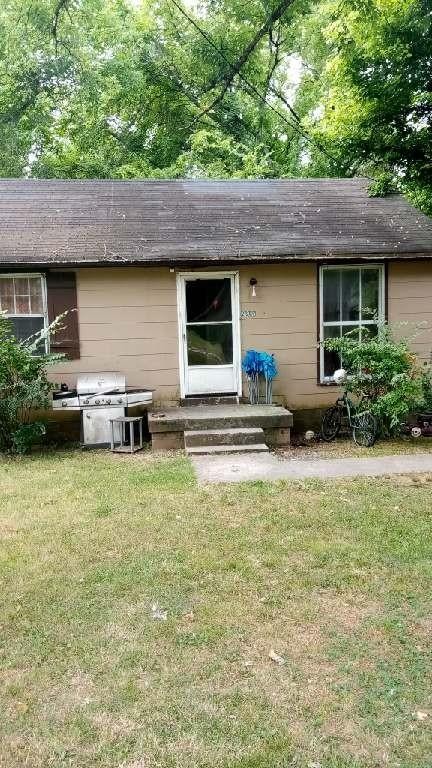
[(256, 363), (251, 363), (268, 365)]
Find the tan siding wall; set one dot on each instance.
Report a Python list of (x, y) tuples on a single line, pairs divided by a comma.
[(128, 322), (286, 324), (410, 302)]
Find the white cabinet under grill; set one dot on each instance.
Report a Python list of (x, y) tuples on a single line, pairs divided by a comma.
[(96, 427)]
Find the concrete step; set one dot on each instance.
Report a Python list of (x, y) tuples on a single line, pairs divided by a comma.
[(219, 417), (233, 436), (167, 426), (214, 450), (185, 402)]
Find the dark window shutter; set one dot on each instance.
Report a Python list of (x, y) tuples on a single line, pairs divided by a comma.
[(62, 297)]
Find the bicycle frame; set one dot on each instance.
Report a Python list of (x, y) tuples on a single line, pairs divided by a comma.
[(353, 417), (349, 407)]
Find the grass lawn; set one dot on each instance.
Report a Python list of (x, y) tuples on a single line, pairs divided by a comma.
[(336, 578)]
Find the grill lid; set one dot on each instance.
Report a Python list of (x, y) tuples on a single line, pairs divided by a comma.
[(94, 383)]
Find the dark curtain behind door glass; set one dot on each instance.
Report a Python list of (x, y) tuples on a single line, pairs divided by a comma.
[(208, 301)]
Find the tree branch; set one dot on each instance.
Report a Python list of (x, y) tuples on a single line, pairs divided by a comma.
[(274, 50), (61, 6), (265, 28), (235, 67), (285, 101)]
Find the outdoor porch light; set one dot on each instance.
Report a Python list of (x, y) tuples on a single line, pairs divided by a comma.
[(253, 282)]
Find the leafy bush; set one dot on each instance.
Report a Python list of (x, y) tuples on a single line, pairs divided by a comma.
[(427, 388), (385, 371), (24, 386), (382, 185)]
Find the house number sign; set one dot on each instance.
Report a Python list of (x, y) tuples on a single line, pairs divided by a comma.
[(245, 314)]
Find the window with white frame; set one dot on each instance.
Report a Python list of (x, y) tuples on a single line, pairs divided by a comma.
[(23, 299), (350, 297)]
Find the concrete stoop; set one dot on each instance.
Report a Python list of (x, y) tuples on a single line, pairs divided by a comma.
[(217, 450), (189, 402), (223, 428), (199, 442)]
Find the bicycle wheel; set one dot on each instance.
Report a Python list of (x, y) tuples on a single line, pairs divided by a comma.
[(331, 423), (364, 427)]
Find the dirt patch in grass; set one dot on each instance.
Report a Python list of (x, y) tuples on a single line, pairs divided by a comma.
[(420, 478), (79, 690), (142, 762), (344, 448), (347, 612)]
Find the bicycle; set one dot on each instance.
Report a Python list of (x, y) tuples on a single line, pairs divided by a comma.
[(362, 424)]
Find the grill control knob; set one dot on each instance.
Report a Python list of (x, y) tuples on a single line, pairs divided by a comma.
[(64, 403), (97, 401), (108, 400), (86, 402), (120, 400)]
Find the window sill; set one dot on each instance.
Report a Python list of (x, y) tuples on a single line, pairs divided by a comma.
[(327, 384)]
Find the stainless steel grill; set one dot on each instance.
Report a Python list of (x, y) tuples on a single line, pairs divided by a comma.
[(100, 397)]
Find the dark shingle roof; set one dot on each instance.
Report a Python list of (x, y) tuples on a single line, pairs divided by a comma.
[(47, 222)]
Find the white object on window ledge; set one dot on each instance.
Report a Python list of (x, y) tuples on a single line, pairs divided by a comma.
[(340, 376)]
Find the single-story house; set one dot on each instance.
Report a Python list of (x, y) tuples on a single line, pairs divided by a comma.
[(174, 280)]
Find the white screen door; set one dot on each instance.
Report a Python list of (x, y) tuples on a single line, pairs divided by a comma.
[(209, 333)]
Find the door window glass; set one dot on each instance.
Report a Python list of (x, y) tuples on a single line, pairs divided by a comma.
[(210, 344), (208, 300)]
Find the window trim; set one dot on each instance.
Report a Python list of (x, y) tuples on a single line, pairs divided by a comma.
[(382, 293), (44, 314)]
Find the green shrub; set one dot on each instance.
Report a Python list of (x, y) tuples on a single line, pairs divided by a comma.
[(427, 388), (24, 386), (383, 185), (385, 371)]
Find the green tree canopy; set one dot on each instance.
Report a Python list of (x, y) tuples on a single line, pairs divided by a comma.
[(217, 88), (367, 92)]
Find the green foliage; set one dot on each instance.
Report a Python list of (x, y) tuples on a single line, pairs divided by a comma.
[(125, 90), (427, 388), (24, 387), (122, 89), (369, 74), (383, 369), (27, 435), (421, 197), (382, 186)]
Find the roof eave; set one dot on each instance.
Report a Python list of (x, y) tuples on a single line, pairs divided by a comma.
[(224, 261)]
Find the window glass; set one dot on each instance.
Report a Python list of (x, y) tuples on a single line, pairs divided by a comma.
[(22, 304), (7, 303), (353, 331), (210, 344), (23, 327), (350, 294), (22, 300), (370, 293), (331, 358), (331, 295), (351, 300), (370, 331), (36, 301), (208, 300)]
